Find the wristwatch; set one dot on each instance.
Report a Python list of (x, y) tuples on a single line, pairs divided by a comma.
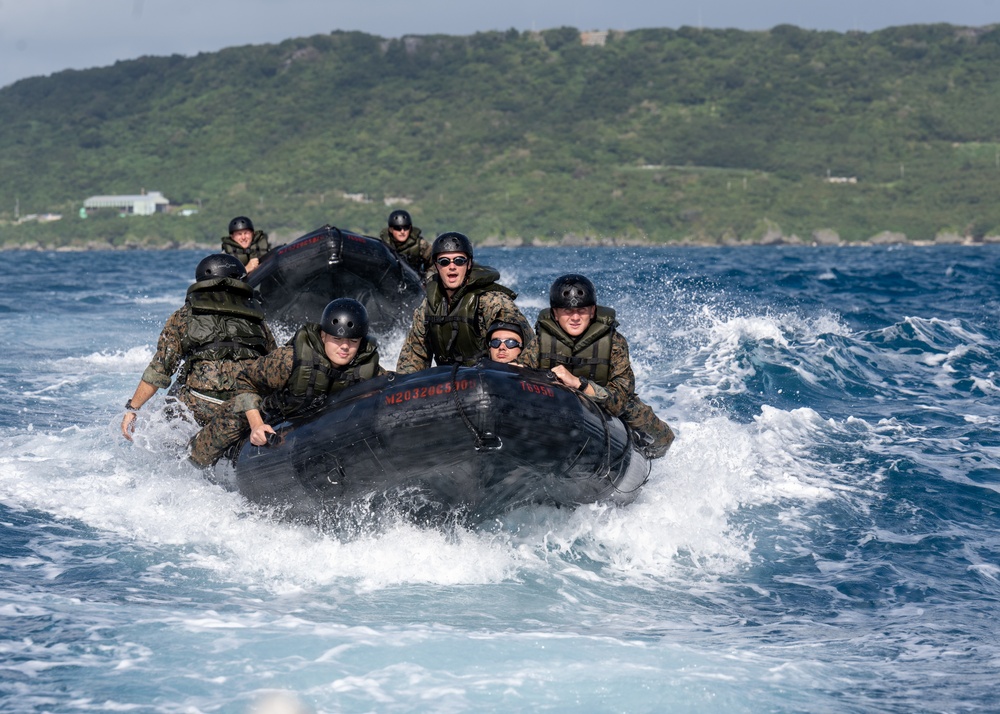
[(583, 384), (129, 407)]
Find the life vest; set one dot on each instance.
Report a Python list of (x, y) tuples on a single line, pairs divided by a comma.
[(452, 329), (314, 377), (408, 250), (225, 322), (588, 355), (258, 247)]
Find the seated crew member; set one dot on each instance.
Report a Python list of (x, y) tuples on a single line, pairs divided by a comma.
[(219, 327), (245, 243), (407, 241), (505, 341), (320, 360), (463, 299), (578, 340)]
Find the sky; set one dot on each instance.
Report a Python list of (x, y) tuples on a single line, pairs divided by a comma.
[(40, 37)]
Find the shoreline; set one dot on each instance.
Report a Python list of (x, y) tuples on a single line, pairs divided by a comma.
[(819, 239), (510, 245)]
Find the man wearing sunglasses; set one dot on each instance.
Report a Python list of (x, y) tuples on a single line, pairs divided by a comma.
[(578, 340), (463, 300), (407, 241), (505, 341)]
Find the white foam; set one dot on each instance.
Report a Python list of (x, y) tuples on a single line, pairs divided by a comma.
[(130, 360)]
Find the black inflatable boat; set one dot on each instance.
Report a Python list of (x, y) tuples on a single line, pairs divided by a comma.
[(297, 280), (467, 443)]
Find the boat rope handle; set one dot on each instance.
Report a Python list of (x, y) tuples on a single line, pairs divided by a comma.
[(484, 442)]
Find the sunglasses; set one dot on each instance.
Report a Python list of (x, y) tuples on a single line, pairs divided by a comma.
[(401, 228), (445, 262), (510, 343)]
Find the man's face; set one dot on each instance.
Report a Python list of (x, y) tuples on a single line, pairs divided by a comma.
[(242, 237), (452, 275), (503, 353), (574, 320), (400, 234), (340, 350)]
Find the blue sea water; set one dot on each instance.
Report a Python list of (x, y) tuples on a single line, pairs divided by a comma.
[(822, 537)]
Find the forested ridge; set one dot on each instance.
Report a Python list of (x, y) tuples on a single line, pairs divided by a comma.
[(657, 135)]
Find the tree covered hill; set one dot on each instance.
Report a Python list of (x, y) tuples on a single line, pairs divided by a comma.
[(658, 135)]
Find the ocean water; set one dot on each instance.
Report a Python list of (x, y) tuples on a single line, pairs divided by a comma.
[(824, 535)]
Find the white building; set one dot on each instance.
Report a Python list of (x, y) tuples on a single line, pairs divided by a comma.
[(144, 204)]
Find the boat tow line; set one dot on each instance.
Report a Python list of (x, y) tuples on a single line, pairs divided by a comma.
[(485, 441)]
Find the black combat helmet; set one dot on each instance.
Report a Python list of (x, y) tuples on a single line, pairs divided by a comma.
[(452, 242), (501, 325), (345, 317), (573, 290), (240, 223), (400, 220), (220, 265)]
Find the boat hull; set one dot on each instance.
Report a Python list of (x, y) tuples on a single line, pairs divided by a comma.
[(296, 281), (467, 443)]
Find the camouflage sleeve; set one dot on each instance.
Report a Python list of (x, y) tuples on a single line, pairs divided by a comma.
[(530, 356), (169, 353), (614, 396), (495, 306), (263, 376), (415, 353), (425, 254)]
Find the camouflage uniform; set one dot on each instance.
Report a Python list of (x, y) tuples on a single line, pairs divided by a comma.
[(261, 378), (617, 395), (215, 380), (258, 248), (415, 250), (491, 306)]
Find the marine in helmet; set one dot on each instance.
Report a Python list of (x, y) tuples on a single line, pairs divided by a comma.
[(319, 361), (505, 340), (463, 300), (578, 340), (245, 243), (219, 328), (407, 241)]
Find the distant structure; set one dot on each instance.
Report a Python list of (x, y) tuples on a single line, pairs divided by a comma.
[(593, 39), (143, 204)]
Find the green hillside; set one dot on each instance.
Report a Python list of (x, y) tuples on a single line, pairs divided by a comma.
[(659, 135)]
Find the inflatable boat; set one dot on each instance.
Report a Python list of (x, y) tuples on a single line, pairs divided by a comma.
[(461, 443), (297, 280)]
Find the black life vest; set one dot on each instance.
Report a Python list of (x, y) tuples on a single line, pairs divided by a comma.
[(408, 250), (226, 322), (452, 329), (588, 355), (314, 378), (258, 247)]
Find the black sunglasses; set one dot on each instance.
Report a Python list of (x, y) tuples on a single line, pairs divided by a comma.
[(510, 342), (445, 262), (401, 228)]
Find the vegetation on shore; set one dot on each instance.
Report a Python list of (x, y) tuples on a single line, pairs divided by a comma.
[(659, 135)]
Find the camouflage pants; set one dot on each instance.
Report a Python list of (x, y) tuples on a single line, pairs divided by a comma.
[(226, 429), (654, 436), (203, 411)]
